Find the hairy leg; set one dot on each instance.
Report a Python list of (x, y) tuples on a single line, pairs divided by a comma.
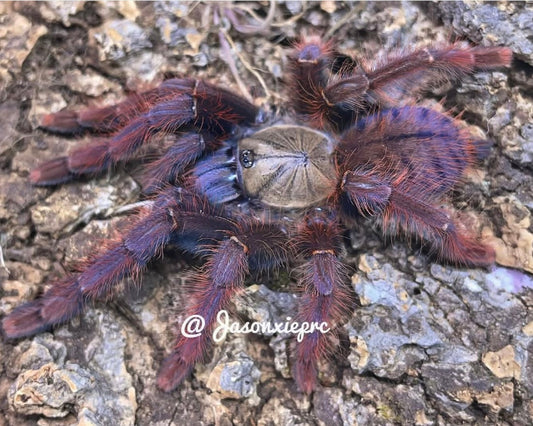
[(325, 298), (249, 245), (174, 211), (398, 165), (178, 105), (107, 119), (448, 239), (112, 118), (186, 149), (397, 75), (403, 209), (334, 99)]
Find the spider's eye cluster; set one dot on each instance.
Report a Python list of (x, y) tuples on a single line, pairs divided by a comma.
[(287, 166), (247, 158)]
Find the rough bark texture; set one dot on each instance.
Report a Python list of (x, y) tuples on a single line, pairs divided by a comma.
[(429, 344)]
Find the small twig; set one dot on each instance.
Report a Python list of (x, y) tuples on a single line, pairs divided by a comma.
[(264, 22), (347, 17), (248, 66), (2, 264), (251, 29), (227, 57), (128, 207), (287, 22), (102, 211)]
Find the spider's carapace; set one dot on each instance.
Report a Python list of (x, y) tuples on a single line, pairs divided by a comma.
[(287, 166)]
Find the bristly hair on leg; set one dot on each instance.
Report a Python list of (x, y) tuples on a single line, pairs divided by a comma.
[(325, 297), (250, 243)]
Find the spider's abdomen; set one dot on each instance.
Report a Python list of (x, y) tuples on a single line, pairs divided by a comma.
[(287, 166), (418, 149)]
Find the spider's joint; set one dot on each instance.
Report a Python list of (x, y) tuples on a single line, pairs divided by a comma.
[(195, 88), (307, 61), (194, 109), (344, 178), (328, 251), (328, 103), (201, 139), (173, 217), (431, 59), (194, 97), (239, 242)]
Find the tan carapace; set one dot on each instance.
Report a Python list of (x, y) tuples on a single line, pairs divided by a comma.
[(287, 166)]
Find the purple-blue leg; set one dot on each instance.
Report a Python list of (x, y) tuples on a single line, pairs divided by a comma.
[(326, 298), (176, 215), (248, 246), (182, 105), (398, 165)]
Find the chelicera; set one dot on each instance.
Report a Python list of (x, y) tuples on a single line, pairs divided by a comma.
[(251, 194)]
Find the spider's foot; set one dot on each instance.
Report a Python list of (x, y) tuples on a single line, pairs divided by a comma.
[(305, 374), (174, 370), (51, 172), (26, 320), (64, 122)]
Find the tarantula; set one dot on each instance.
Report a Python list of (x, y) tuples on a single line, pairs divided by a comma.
[(252, 199)]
